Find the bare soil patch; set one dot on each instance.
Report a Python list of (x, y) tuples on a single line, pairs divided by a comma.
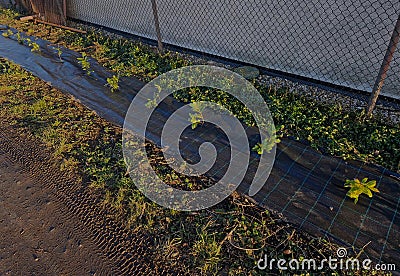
[(51, 226)]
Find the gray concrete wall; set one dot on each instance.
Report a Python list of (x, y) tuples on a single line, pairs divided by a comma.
[(339, 41)]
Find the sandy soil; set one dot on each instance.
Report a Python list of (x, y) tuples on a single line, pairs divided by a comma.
[(51, 226), (38, 231)]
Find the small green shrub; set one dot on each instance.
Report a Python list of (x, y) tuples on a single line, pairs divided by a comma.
[(152, 103), (267, 145), (35, 47)]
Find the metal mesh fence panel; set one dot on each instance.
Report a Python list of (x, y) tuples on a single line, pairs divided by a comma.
[(339, 42), (131, 16)]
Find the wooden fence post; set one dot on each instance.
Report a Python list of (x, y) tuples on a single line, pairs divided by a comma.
[(65, 9)]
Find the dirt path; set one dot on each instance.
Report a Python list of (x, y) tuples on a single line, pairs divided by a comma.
[(38, 233), (51, 226)]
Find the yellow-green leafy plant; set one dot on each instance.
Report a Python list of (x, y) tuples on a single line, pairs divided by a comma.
[(358, 187), (20, 38), (113, 83), (59, 52), (152, 103), (84, 62), (34, 46), (8, 33), (268, 143), (197, 117)]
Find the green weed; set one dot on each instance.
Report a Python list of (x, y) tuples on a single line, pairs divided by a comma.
[(268, 143), (113, 83), (8, 34), (34, 46), (197, 117), (207, 251), (20, 39), (358, 187), (59, 52), (85, 64)]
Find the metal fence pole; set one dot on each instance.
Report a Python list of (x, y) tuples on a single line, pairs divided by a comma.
[(384, 67), (157, 25)]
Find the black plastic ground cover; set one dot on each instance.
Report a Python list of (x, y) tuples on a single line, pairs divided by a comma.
[(304, 185)]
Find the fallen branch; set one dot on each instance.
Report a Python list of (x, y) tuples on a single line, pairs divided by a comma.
[(60, 26), (34, 17), (27, 18)]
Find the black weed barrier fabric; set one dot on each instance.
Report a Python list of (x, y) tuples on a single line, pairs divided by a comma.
[(304, 185)]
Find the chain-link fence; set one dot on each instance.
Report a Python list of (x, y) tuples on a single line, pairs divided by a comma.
[(342, 42)]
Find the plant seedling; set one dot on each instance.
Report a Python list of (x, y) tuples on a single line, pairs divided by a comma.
[(84, 62), (267, 145), (59, 52), (358, 187), (197, 117), (152, 103), (35, 47), (19, 38), (113, 83), (8, 33)]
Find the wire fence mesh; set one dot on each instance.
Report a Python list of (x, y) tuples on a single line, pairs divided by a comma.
[(391, 88), (339, 42)]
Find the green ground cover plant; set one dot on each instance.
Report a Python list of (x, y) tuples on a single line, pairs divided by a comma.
[(197, 116)]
